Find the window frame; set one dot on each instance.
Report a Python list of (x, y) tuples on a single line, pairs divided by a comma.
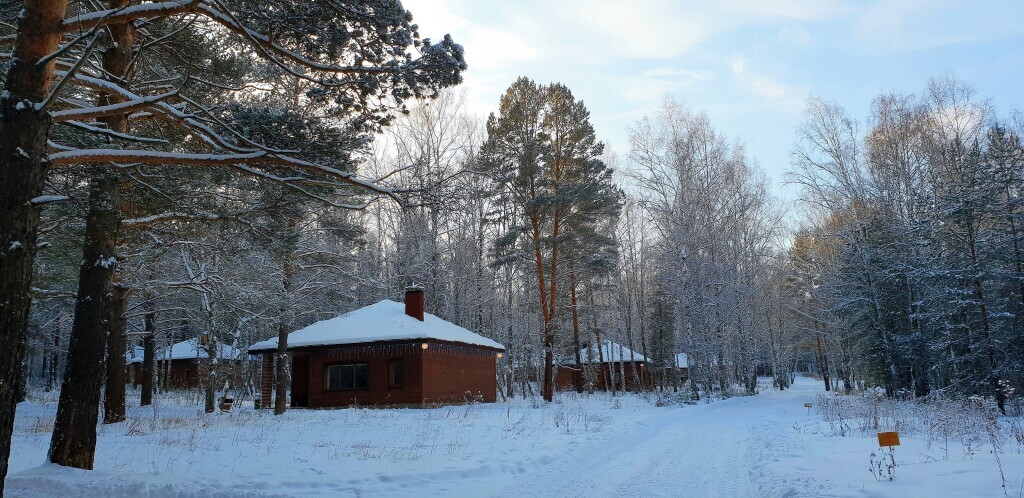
[(327, 376), (391, 377)]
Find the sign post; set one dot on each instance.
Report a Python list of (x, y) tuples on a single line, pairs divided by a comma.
[(888, 439), (881, 468), (808, 407)]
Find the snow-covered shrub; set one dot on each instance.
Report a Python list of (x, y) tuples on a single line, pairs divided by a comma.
[(670, 398), (882, 464), (943, 420), (1017, 431), (41, 425), (989, 417)]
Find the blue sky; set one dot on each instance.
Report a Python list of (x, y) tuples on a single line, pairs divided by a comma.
[(748, 64)]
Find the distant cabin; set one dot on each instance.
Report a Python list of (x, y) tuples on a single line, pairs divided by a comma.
[(616, 363), (184, 360), (682, 368), (382, 354)]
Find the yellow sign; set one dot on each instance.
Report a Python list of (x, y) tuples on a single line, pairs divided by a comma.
[(888, 439)]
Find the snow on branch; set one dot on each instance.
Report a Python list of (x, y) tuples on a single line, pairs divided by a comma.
[(167, 216), (238, 161), (111, 133), (111, 109), (131, 13)]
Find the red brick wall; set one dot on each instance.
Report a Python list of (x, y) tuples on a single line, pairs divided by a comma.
[(441, 373), (377, 360), (184, 373), (454, 373), (564, 377)]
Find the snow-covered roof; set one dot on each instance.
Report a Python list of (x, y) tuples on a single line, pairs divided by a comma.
[(187, 350), (383, 321), (612, 352)]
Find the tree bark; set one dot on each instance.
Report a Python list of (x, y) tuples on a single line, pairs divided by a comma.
[(148, 353), (281, 360), (114, 396), (822, 354), (54, 354), (578, 378), (74, 432), (23, 132)]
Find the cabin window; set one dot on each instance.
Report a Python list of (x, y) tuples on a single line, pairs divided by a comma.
[(348, 377), (396, 373)]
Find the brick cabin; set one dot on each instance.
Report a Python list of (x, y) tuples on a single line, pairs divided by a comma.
[(612, 357), (385, 354), (184, 358)]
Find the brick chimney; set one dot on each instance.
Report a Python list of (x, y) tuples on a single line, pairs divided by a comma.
[(414, 302)]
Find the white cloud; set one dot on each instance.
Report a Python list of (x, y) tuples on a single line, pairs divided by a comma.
[(738, 66), (766, 86), (795, 36), (911, 25), (651, 29), (784, 10), (654, 84)]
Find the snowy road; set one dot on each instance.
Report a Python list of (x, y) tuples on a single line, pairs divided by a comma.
[(714, 450), (764, 446), (580, 446)]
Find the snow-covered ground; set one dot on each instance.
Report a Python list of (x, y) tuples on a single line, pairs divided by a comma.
[(767, 445)]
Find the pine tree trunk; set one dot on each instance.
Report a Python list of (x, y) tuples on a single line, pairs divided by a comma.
[(114, 396), (23, 151), (578, 378), (284, 327), (606, 380), (50, 370), (148, 353), (549, 364), (74, 432)]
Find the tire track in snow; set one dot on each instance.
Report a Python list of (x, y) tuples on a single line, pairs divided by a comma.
[(714, 450)]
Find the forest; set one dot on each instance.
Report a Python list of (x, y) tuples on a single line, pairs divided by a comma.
[(230, 171)]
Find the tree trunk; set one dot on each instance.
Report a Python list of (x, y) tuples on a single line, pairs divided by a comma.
[(606, 380), (23, 151), (578, 378), (54, 354), (212, 348), (822, 354), (114, 396), (549, 364), (74, 432), (281, 360), (148, 353)]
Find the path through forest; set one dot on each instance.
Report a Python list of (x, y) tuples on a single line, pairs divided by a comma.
[(716, 449), (579, 446)]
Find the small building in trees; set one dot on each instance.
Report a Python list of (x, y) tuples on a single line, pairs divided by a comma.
[(179, 365), (384, 354), (682, 369), (611, 365)]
